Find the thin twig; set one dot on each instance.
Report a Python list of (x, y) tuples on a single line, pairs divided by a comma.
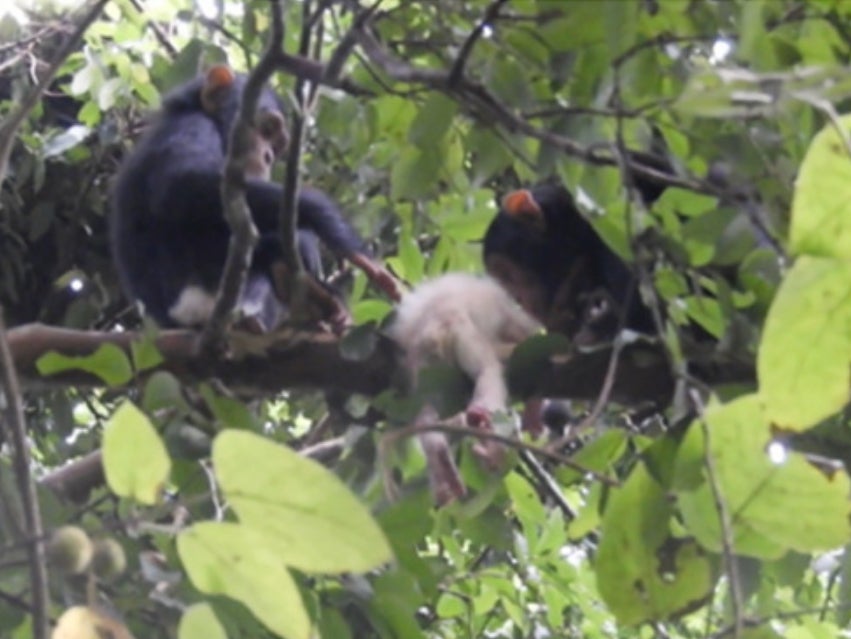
[(306, 96), (14, 428), (244, 235), (603, 396), (288, 212), (452, 429), (491, 14), (487, 108), (159, 34), (727, 541), (547, 481)]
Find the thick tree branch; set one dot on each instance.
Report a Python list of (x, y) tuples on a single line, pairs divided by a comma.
[(76, 480), (298, 359), (257, 364), (271, 363)]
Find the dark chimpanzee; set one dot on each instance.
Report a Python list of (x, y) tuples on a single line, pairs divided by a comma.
[(168, 233), (551, 260)]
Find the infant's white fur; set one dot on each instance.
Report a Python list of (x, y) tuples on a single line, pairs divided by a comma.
[(469, 321)]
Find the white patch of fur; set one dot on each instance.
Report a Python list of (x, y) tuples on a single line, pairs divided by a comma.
[(437, 309), (473, 323), (193, 307)]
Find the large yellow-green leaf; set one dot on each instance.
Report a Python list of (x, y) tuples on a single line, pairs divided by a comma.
[(803, 360), (135, 459), (821, 208), (774, 507), (309, 517), (108, 362), (200, 622), (229, 559), (644, 573)]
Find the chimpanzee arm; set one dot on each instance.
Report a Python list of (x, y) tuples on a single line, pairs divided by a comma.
[(316, 212), (194, 199), (319, 213)]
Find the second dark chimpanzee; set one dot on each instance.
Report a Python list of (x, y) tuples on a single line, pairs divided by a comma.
[(553, 262), (169, 236)]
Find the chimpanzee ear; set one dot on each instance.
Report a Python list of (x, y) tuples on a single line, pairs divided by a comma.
[(522, 203), (218, 80)]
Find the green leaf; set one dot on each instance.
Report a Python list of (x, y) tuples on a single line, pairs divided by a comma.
[(451, 605), (410, 259), (309, 518), (488, 152), (200, 622), (759, 494), (707, 312), (108, 362), (760, 273), (145, 353), (643, 572), (598, 455), (332, 625), (395, 602), (620, 20), (414, 174), (230, 413), (821, 208), (803, 360), (432, 121), (370, 311), (843, 610), (752, 27), (135, 460), (229, 559), (526, 504), (185, 441), (163, 391)]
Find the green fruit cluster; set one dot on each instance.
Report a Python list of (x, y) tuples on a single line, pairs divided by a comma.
[(71, 551)]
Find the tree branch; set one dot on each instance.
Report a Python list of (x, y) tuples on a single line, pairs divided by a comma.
[(457, 70), (485, 107), (14, 427), (244, 234), (289, 359)]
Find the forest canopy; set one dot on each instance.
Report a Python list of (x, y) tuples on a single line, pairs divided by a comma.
[(691, 478)]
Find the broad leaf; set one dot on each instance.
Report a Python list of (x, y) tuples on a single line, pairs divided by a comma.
[(803, 360), (135, 460), (229, 559), (821, 209), (643, 572), (200, 622), (108, 362), (773, 506), (308, 517)]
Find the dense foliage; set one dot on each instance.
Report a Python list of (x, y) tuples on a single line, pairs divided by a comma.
[(723, 511)]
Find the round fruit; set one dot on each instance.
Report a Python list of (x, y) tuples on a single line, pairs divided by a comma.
[(69, 550), (108, 560)]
